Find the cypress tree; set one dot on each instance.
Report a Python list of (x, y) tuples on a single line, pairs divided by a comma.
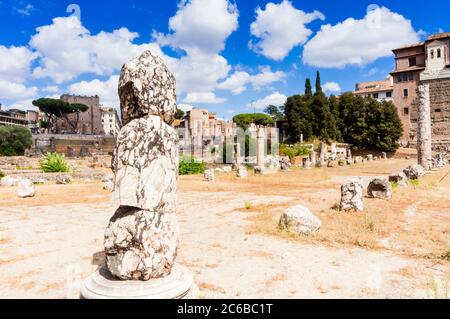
[(308, 87), (318, 84)]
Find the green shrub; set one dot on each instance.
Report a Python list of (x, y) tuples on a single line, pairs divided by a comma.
[(294, 151), (14, 140), (248, 205), (2, 174), (189, 166), (414, 182), (54, 163)]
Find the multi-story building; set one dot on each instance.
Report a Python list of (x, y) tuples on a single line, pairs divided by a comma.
[(14, 117), (89, 122), (110, 120), (427, 62), (378, 90), (202, 123)]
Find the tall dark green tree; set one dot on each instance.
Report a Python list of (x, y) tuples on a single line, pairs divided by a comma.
[(299, 117), (308, 87), (318, 83), (14, 140)]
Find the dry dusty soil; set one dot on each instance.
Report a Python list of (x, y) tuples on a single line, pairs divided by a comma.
[(230, 240)]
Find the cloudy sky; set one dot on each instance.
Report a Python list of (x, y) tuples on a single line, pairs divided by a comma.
[(227, 56)]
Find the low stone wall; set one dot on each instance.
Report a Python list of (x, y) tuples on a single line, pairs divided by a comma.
[(73, 145)]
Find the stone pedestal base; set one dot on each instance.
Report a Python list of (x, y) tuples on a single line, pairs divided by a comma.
[(102, 285)]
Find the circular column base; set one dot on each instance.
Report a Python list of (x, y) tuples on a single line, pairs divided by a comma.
[(102, 285)]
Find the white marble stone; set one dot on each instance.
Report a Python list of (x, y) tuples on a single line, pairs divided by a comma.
[(145, 163), (300, 220), (146, 87), (352, 195), (26, 188), (141, 244)]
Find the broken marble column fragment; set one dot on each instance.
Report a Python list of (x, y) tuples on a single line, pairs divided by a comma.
[(141, 244), (352, 195), (145, 163), (146, 87)]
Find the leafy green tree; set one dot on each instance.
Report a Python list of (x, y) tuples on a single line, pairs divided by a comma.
[(308, 87), (14, 140), (56, 108), (245, 120), (274, 112), (180, 114)]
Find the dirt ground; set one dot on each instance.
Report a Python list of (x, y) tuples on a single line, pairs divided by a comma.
[(230, 240)]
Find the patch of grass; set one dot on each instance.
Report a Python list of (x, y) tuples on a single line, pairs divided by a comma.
[(248, 205), (414, 182), (2, 174), (190, 166), (394, 185)]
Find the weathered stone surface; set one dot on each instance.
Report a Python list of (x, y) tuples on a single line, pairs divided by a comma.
[(285, 163), (352, 195), (209, 175), (380, 188), (341, 162), (370, 158), (141, 244), (383, 155), (108, 178), (242, 172), (108, 186), (300, 220), (414, 171), (424, 154), (145, 163), (63, 179), (349, 161), (146, 87), (9, 181), (227, 169), (399, 178), (331, 164), (26, 188), (272, 161)]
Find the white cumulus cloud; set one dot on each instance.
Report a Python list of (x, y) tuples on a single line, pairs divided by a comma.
[(67, 49), (16, 91), (201, 25), (276, 99), (15, 63), (203, 97), (238, 81), (359, 42), (106, 90), (279, 28), (332, 87)]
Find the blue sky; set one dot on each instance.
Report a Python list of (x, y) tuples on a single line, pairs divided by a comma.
[(225, 55)]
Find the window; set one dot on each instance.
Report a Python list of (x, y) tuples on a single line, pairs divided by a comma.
[(405, 93), (405, 77), (438, 53), (406, 111), (375, 95), (437, 110), (412, 61), (432, 54), (388, 94)]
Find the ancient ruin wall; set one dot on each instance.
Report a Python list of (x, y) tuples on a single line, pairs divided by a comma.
[(440, 112)]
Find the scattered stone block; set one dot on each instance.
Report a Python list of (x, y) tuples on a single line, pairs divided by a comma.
[(9, 181), (399, 178), (209, 175), (380, 187), (352, 195), (242, 172), (25, 188), (300, 220), (63, 179), (414, 171)]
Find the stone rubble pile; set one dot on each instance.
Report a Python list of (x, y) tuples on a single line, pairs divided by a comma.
[(352, 195), (300, 220)]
